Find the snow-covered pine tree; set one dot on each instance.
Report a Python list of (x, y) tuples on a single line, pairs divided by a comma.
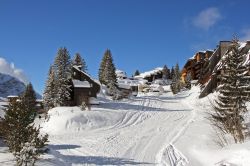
[(28, 98), (79, 61), (110, 75), (62, 69), (234, 91), (176, 84), (49, 94), (137, 73), (103, 66), (18, 130)]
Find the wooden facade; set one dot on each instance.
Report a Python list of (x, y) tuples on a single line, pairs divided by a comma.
[(194, 67), (82, 87)]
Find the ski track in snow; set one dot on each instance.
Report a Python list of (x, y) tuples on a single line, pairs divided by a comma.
[(137, 137), (144, 135), (169, 154)]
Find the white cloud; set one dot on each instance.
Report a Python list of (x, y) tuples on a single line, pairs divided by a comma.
[(207, 18), (246, 35), (9, 68)]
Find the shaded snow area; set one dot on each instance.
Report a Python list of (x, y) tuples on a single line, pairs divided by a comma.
[(153, 129)]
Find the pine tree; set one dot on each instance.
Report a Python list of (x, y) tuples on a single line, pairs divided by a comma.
[(107, 75), (165, 72), (79, 61), (49, 94), (234, 91), (172, 73), (137, 73), (103, 66), (62, 66), (28, 98), (176, 84), (19, 130), (110, 75)]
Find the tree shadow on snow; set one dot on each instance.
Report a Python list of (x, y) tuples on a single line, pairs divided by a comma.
[(68, 160), (127, 106), (61, 147)]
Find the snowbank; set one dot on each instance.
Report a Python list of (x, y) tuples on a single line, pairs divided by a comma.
[(73, 119), (199, 143)]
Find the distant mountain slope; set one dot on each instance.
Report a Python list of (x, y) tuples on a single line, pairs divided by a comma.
[(10, 85)]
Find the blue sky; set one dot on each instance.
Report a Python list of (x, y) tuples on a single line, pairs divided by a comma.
[(142, 34)]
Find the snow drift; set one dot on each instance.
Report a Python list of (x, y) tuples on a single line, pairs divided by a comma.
[(73, 119)]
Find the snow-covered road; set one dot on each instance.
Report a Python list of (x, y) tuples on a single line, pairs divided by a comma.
[(140, 136)]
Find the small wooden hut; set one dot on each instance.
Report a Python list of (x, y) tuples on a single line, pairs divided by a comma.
[(82, 86)]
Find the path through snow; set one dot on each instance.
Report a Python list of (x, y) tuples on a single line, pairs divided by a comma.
[(145, 126)]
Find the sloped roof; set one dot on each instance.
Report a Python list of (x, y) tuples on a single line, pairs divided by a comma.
[(149, 73), (81, 84), (77, 68)]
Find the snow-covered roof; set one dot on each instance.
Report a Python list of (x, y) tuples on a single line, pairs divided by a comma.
[(120, 73), (128, 82), (124, 86), (76, 67), (12, 96), (81, 84), (149, 73)]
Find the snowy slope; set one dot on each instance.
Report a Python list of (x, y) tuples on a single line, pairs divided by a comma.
[(117, 133), (200, 145), (166, 130)]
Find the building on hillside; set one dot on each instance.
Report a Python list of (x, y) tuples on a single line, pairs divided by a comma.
[(12, 98), (83, 87), (215, 66), (129, 84), (152, 75), (125, 90), (194, 67), (120, 74)]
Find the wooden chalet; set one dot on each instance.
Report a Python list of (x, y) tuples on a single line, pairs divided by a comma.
[(152, 75), (83, 87), (194, 67)]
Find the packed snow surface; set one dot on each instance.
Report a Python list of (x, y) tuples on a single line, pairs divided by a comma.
[(153, 129)]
